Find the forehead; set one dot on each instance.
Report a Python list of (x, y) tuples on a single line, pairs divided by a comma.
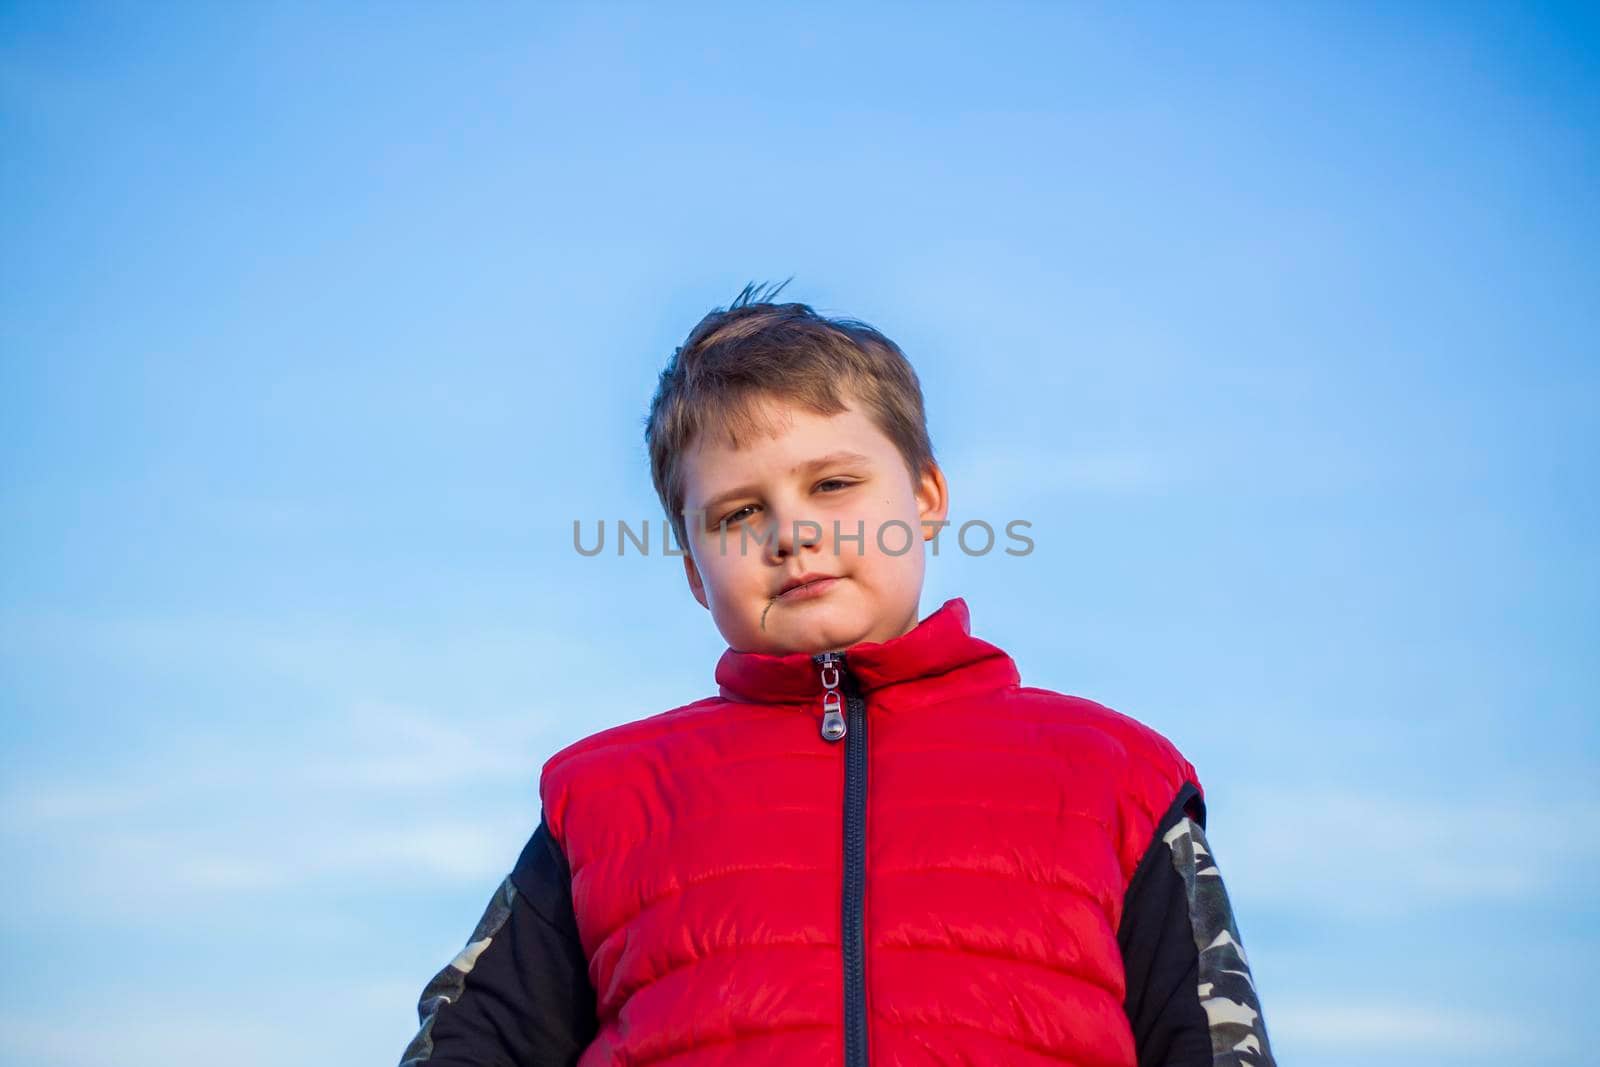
[(788, 437)]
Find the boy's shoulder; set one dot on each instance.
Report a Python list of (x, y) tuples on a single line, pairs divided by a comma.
[(1119, 734), (1148, 776), (631, 734), (598, 763)]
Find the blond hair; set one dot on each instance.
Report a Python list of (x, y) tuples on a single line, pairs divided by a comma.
[(755, 350)]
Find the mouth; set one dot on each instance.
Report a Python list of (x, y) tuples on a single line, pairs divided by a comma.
[(806, 587), (803, 588)]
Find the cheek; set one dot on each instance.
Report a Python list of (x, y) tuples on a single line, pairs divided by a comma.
[(730, 569), (894, 505), (894, 515)]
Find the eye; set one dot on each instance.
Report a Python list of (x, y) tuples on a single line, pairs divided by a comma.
[(734, 516)]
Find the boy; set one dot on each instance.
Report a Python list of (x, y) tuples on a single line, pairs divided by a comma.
[(874, 844)]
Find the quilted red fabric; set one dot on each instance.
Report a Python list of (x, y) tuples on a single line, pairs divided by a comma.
[(1002, 823)]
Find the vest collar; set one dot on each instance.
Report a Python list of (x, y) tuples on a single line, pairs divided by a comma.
[(938, 653)]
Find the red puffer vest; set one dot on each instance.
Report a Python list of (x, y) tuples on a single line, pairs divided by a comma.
[(895, 854)]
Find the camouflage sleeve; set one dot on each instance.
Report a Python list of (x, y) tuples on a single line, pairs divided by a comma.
[(518, 994), (1191, 1000)]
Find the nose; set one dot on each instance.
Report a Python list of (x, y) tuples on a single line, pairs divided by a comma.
[(794, 532)]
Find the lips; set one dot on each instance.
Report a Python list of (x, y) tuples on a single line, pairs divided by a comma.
[(806, 585)]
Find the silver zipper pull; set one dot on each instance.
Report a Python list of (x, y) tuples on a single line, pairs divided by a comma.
[(832, 718)]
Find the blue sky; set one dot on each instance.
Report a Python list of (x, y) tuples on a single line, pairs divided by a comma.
[(318, 329)]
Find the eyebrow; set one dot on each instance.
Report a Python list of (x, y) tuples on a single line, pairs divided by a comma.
[(804, 468)]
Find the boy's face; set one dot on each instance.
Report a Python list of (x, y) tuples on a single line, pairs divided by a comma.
[(770, 484)]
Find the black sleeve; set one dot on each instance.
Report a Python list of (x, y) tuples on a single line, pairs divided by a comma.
[(518, 995), (1190, 997)]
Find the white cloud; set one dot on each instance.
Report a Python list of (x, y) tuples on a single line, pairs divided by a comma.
[(373, 747), (43, 801), (385, 746), (312, 1016), (1335, 849), (459, 851), (157, 1039), (344, 661), (384, 794), (1388, 1026)]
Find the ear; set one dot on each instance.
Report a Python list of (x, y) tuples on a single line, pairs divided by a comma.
[(933, 498), (696, 585)]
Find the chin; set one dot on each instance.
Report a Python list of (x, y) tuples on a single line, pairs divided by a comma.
[(826, 628), (815, 626)]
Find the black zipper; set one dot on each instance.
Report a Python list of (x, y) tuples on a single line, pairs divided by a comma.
[(851, 725)]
